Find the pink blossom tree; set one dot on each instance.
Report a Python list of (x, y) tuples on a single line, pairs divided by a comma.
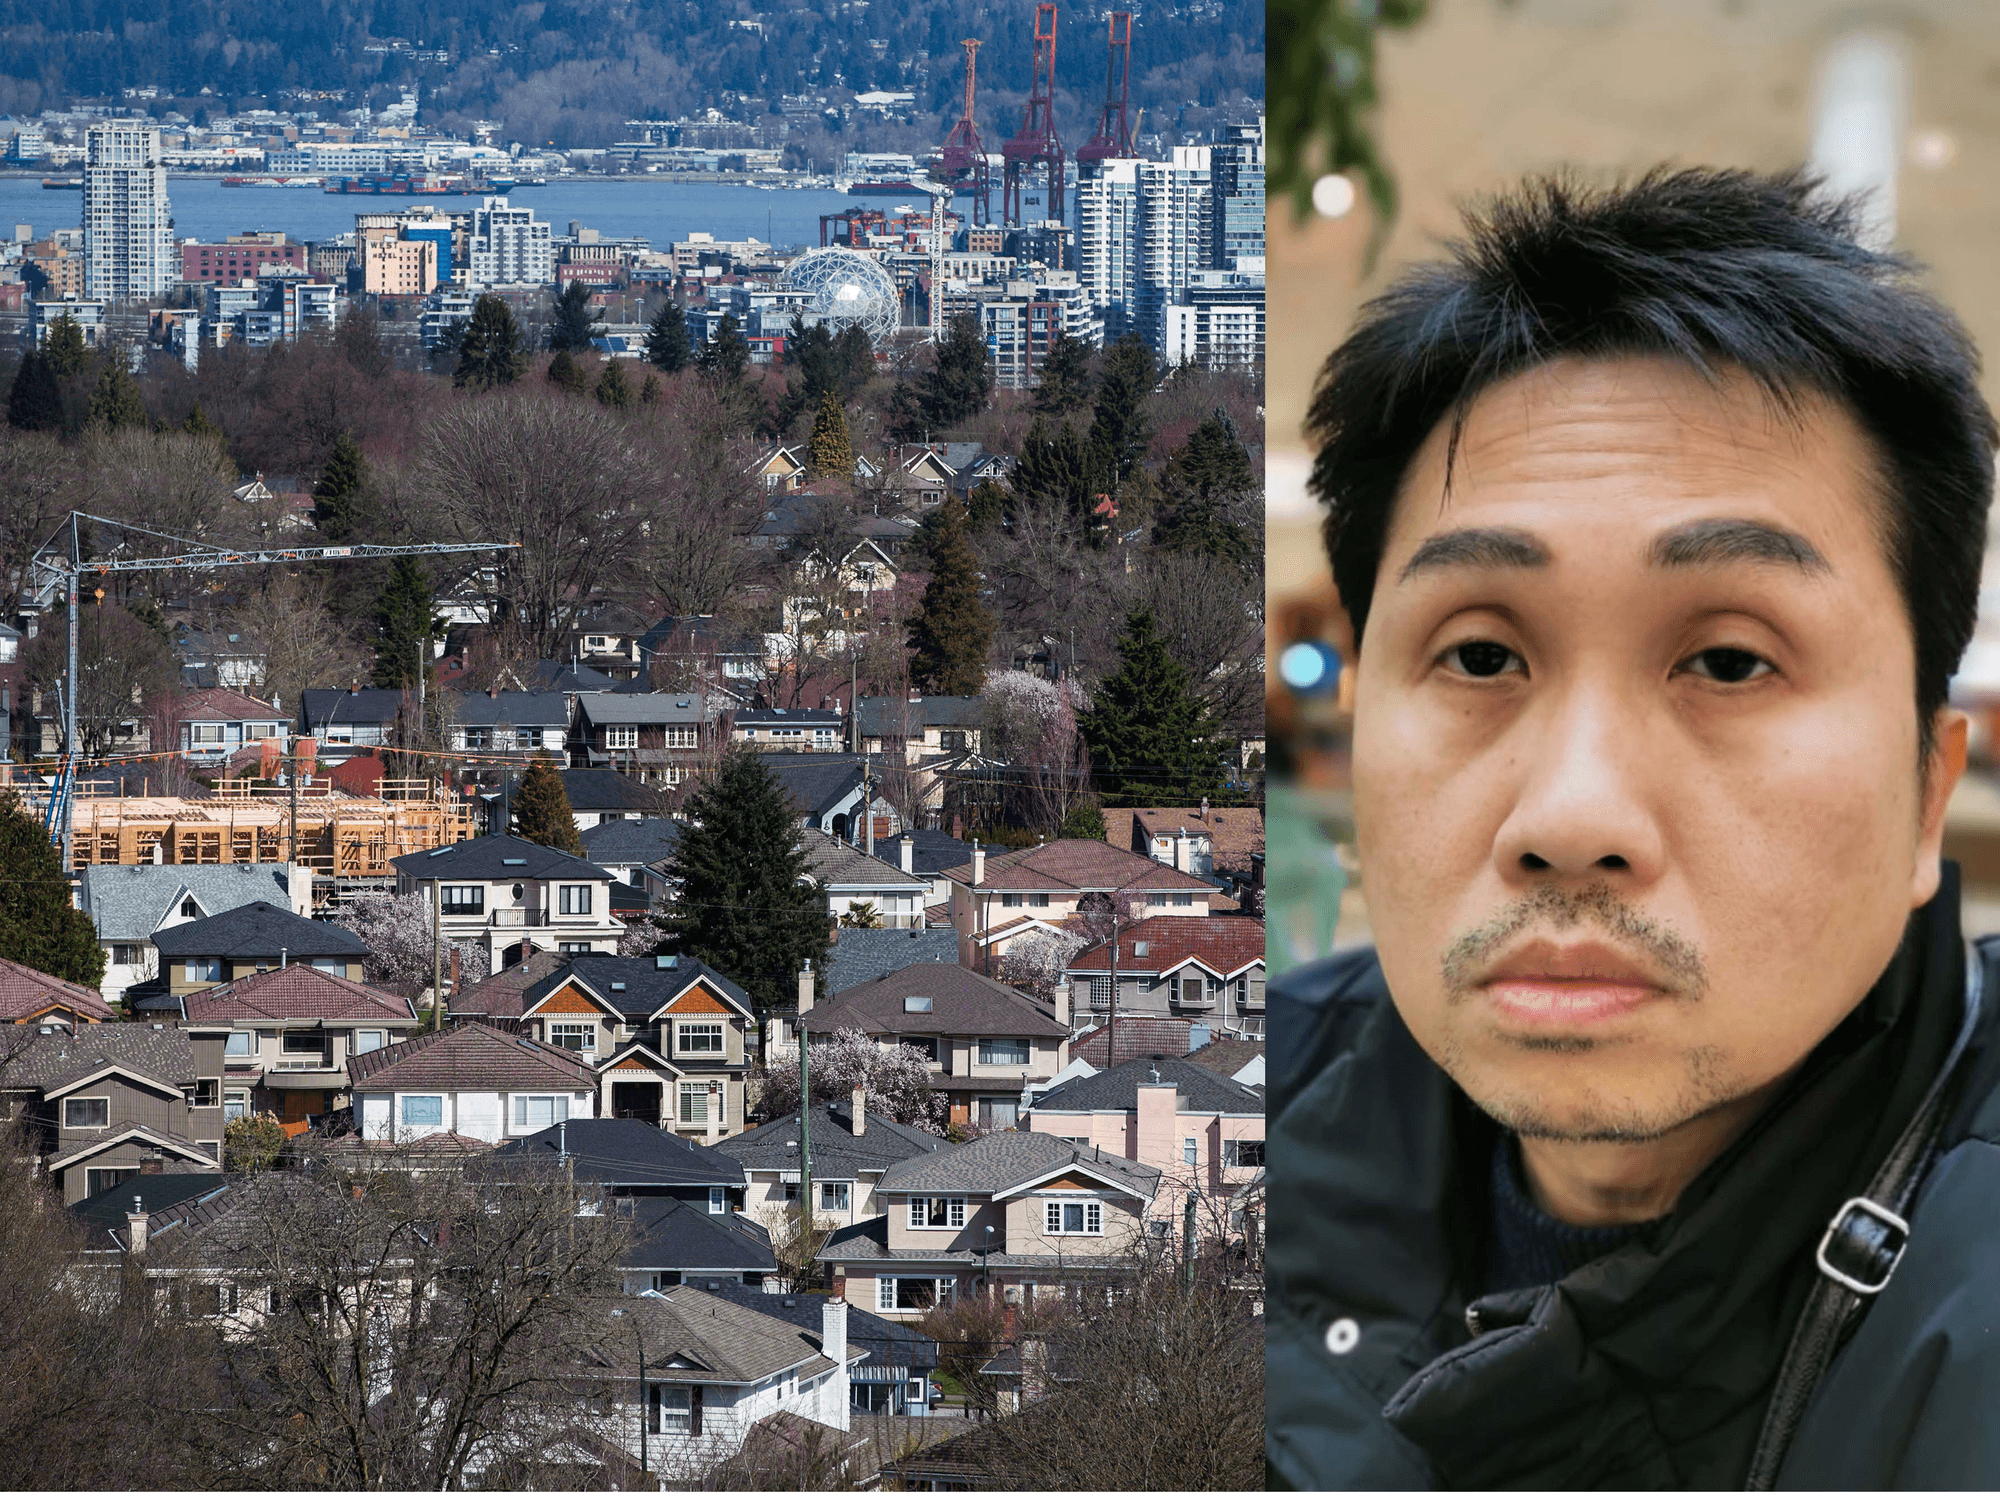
[(1036, 962), (897, 1079), (397, 930)]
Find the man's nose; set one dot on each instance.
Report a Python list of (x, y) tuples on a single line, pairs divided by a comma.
[(1582, 806)]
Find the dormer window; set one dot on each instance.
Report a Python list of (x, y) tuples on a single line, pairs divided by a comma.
[(189, 908)]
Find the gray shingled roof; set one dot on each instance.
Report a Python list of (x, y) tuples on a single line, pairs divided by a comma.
[(676, 1235), (57, 1060), (834, 862), (1117, 1088), (500, 994), (259, 930), (993, 1163), (934, 851), (962, 1004), (319, 707), (601, 789), (815, 783), (708, 1335), (887, 1343), (640, 708), (904, 716), (472, 1057), (628, 1153), (485, 858), (638, 841), (861, 955), (869, 1241), (516, 710), (838, 1153), (156, 1192), (127, 903), (787, 718), (648, 983), (297, 992)]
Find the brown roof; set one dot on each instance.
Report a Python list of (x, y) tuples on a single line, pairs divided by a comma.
[(687, 1329), (224, 703), (26, 993), (962, 1004), (1078, 865), (1227, 945), (297, 992), (468, 1057), (1229, 1056), (161, 1053), (500, 994), (1234, 833), (1138, 1036)]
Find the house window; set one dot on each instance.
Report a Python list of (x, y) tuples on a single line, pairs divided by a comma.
[(928, 1045), (462, 900), (213, 1299), (303, 1042), (240, 1044), (1073, 1218), (235, 1104), (576, 947), (718, 1200), (207, 734), (833, 1197), (706, 1038), (999, 1114), (423, 1109), (1243, 1153), (368, 1041), (86, 1114), (681, 736), (1100, 993), (1005, 1051), (125, 953), (207, 1093), (1189, 1150), (539, 1111), (621, 736), (1009, 901), (911, 1293), (915, 1004), (97, 1179), (577, 1036), (337, 967), (574, 900), (674, 1409), (937, 1213), (695, 1101), (203, 970)]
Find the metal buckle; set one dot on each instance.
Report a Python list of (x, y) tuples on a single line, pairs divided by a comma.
[(1837, 1226)]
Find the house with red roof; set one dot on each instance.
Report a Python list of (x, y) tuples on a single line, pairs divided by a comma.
[(471, 1080), (1205, 968), (215, 723), (28, 997)]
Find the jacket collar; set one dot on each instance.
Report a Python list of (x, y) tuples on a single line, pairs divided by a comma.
[(1648, 1367)]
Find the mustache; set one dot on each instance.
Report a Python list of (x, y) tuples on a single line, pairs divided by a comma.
[(1554, 907)]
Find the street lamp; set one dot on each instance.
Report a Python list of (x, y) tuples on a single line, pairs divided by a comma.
[(985, 1251)]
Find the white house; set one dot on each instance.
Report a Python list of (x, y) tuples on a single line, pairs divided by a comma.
[(129, 903), (473, 1081), (513, 896)]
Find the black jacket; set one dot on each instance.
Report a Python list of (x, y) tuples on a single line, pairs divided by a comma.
[(1653, 1366)]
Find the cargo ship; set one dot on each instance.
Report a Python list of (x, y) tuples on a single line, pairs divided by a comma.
[(901, 188), (73, 184), (285, 182), (407, 185)]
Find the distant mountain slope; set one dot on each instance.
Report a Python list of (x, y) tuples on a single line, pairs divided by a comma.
[(570, 70)]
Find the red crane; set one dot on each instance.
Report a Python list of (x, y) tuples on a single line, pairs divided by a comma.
[(962, 158), (1037, 144), (1114, 129)]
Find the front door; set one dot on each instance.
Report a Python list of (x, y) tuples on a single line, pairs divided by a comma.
[(297, 1104)]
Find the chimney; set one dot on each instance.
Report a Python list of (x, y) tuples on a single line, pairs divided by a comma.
[(909, 852), (714, 1114), (806, 988), (1204, 809), (151, 1166), (978, 864), (833, 1330), (1064, 999), (1157, 1121), (135, 1227), (860, 1106)]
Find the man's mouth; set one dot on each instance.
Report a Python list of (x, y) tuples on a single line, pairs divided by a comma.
[(1549, 986)]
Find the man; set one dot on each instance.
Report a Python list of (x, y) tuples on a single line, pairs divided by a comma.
[(1657, 515)]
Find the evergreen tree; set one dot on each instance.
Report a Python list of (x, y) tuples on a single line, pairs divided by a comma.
[(668, 346), (563, 372), (951, 633), (649, 392), (613, 389), (404, 629), (955, 391), (573, 322), (489, 347), (1120, 427), (1084, 821), (726, 355), (343, 507), (829, 453), (1056, 465), (745, 905), (1149, 736), (38, 925), (64, 347), (985, 507), (1209, 477), (198, 425), (116, 401), (35, 402), (1065, 382), (854, 357), (542, 812)]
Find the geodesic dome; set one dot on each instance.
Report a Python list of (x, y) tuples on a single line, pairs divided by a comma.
[(844, 287)]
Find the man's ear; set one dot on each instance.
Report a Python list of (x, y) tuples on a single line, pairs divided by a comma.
[(1941, 773)]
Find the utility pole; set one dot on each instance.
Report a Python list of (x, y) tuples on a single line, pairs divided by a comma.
[(805, 1148), (68, 772), (437, 955), (1111, 1027)]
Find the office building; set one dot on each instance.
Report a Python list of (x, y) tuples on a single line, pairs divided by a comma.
[(127, 225)]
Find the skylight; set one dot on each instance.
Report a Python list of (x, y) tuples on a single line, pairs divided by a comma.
[(513, 861), (916, 1002)]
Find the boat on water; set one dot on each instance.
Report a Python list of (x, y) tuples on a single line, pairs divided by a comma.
[(902, 187), (281, 182), (59, 183)]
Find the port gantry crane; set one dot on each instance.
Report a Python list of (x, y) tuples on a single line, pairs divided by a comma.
[(65, 566)]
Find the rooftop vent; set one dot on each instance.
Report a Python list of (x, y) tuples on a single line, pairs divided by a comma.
[(790, 1302), (916, 1002), (433, 854)]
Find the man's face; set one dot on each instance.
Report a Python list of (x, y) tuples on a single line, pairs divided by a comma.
[(1635, 752)]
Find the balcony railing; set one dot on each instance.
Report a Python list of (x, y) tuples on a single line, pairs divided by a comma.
[(543, 918)]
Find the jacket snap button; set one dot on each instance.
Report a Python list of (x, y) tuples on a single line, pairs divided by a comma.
[(1342, 1334)]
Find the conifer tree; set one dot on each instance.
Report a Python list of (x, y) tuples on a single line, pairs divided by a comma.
[(955, 391), (951, 633), (198, 425), (649, 391), (573, 322), (116, 401), (726, 355), (404, 629), (343, 506), (1065, 376), (1056, 465), (542, 813), (829, 454), (35, 402), (1084, 821), (563, 373), (1208, 477), (1147, 732), (64, 347), (489, 347), (1120, 427), (38, 925), (854, 357), (613, 389), (668, 346), (745, 905)]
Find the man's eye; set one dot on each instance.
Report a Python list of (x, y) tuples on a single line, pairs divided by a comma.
[(1482, 659), (1727, 664)]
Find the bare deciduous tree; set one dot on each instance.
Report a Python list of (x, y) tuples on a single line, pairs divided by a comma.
[(291, 625)]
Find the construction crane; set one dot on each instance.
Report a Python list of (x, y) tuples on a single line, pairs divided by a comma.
[(66, 567), (940, 195), (962, 158), (1037, 142), (1114, 129)]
